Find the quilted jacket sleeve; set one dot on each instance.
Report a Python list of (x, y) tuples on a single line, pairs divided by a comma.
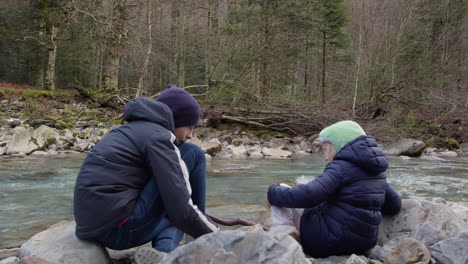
[(306, 195), (392, 204), (171, 175)]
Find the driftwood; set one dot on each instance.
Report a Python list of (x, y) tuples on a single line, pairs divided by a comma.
[(111, 100), (287, 120), (233, 222)]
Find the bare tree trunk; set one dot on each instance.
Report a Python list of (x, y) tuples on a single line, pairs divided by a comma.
[(148, 51), (356, 82), (51, 46), (324, 66), (51, 58)]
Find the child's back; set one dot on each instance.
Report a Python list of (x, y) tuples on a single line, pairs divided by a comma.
[(344, 205)]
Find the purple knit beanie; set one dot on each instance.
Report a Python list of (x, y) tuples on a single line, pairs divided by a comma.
[(185, 108)]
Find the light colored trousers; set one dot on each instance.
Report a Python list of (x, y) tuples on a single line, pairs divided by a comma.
[(286, 218)]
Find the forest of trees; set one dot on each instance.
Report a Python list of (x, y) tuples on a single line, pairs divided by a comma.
[(363, 56)]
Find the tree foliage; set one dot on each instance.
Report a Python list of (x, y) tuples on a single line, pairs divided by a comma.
[(373, 57)]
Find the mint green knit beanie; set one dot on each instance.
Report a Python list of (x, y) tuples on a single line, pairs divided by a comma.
[(341, 133)]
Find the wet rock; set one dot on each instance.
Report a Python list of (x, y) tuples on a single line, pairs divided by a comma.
[(461, 210), (21, 142), (416, 212), (464, 148), (10, 260), (407, 147), (355, 259), (59, 244), (43, 135), (452, 250), (239, 152), (306, 146), (408, 250), (331, 260), (6, 253), (26, 141), (256, 155), (83, 146), (39, 154), (36, 260), (276, 153), (239, 247), (276, 143)]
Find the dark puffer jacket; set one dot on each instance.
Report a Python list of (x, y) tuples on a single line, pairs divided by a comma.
[(119, 166), (344, 205)]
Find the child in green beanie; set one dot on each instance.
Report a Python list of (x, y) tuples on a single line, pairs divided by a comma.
[(339, 212)]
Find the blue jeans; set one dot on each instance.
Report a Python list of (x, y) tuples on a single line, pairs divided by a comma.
[(149, 221)]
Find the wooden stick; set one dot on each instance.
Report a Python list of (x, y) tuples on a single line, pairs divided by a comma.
[(233, 222)]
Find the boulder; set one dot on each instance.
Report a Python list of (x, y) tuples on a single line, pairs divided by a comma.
[(22, 141), (408, 250), (60, 245), (35, 260), (461, 210), (256, 155), (10, 260), (43, 135), (416, 212), (452, 250), (239, 151), (355, 259), (464, 148), (26, 141), (239, 247), (276, 153), (331, 260), (406, 147), (6, 253)]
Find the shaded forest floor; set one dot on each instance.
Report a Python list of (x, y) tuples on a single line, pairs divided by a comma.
[(436, 128)]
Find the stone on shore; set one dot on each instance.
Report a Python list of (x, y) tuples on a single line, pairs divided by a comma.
[(36, 260), (416, 212), (452, 250), (276, 153), (406, 147), (240, 247), (409, 250), (6, 253), (10, 260), (60, 245)]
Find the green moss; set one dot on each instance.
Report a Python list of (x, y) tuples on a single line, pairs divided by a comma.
[(50, 141), (214, 151), (444, 143), (93, 113), (63, 124), (452, 144)]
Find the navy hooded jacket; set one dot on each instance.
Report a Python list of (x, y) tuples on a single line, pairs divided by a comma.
[(119, 166), (344, 205)]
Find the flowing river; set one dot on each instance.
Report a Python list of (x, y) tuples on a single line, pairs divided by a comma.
[(38, 192)]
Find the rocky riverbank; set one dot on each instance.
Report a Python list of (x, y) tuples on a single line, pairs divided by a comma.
[(423, 232), (41, 127)]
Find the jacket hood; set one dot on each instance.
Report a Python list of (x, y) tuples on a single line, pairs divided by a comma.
[(146, 109), (365, 153)]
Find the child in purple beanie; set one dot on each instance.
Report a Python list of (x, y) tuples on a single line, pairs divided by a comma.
[(142, 182)]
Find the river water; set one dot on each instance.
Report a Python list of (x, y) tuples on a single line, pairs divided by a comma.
[(37, 192)]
